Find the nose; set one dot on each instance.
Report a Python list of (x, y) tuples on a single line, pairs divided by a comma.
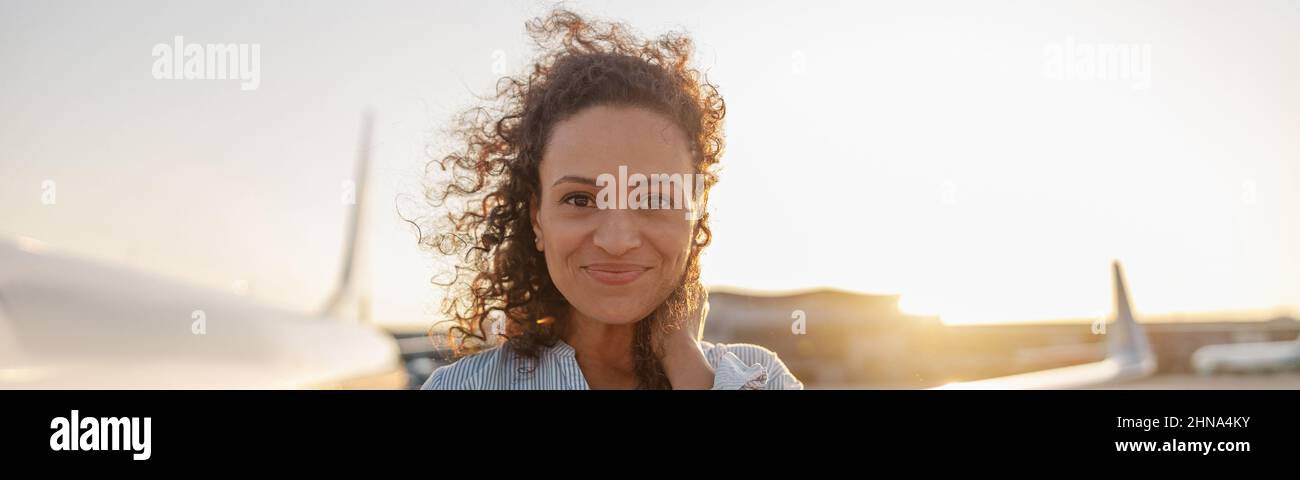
[(619, 232)]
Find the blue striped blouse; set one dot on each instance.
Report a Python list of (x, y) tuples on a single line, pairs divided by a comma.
[(735, 367)]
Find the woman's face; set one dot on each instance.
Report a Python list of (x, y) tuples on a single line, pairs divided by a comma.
[(614, 265)]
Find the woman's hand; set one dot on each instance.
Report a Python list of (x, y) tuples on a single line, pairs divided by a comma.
[(680, 353)]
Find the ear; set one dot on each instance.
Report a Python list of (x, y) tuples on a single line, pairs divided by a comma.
[(697, 227), (532, 219)]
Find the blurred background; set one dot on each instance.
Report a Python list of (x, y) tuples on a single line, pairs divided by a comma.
[(937, 188)]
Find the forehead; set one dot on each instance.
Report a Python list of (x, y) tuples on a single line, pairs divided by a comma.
[(599, 139)]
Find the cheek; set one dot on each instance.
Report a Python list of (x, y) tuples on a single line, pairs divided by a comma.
[(562, 238), (673, 243), (555, 228)]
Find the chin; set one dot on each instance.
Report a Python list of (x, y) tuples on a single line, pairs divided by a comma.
[(616, 311)]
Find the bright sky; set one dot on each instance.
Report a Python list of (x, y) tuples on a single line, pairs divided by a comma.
[(920, 148)]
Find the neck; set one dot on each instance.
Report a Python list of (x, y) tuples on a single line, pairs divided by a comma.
[(600, 344)]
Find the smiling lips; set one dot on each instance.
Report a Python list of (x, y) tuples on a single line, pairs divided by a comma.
[(615, 273)]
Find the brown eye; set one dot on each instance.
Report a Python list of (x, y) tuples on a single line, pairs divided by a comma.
[(580, 200)]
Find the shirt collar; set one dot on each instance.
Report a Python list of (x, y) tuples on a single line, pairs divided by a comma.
[(563, 349)]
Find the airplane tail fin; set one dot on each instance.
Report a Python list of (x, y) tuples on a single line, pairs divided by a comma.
[(1128, 355), (351, 297), (1127, 341)]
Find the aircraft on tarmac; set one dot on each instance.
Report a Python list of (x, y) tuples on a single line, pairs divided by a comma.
[(1128, 356), (1254, 357), (72, 323)]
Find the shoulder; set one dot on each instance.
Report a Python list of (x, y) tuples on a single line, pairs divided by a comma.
[(778, 376), (467, 373)]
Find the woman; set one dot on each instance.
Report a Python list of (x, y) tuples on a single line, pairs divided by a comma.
[(585, 285)]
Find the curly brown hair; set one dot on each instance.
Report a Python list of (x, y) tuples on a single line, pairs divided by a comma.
[(490, 179)]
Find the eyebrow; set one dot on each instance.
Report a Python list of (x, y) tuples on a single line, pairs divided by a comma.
[(575, 179)]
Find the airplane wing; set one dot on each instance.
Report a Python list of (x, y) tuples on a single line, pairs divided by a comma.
[(71, 323), (1128, 356)]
